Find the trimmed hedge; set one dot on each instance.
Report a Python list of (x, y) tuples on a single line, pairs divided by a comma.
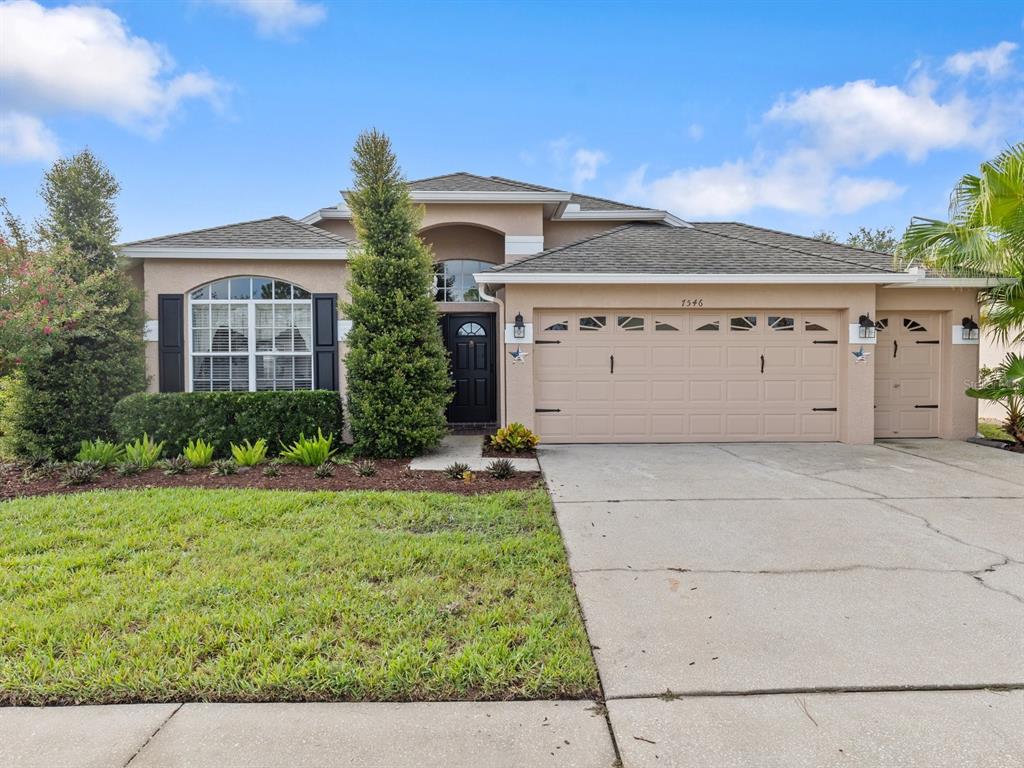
[(222, 418)]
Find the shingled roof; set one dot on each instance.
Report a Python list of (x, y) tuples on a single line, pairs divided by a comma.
[(469, 182), (275, 232), (713, 248)]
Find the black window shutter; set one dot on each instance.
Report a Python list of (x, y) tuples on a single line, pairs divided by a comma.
[(170, 317), (325, 341)]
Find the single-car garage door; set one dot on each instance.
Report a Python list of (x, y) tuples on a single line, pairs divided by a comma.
[(677, 376), (907, 369)]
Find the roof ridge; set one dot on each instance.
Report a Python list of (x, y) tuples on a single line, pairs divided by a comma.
[(586, 239), (802, 237), (786, 247), (537, 187), (310, 228), (201, 229)]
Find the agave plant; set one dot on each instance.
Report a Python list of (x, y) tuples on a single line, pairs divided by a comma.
[(1005, 385)]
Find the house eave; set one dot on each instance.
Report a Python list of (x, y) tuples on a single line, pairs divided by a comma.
[(955, 282), (639, 278), (444, 196), (284, 254), (622, 214)]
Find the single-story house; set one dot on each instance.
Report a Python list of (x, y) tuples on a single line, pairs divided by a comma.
[(587, 319)]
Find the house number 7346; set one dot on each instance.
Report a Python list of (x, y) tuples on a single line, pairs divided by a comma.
[(693, 303)]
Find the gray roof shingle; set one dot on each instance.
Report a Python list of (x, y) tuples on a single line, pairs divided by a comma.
[(275, 232), (652, 248), (468, 182)]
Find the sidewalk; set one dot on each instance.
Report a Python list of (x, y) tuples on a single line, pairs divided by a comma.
[(467, 449), (569, 734)]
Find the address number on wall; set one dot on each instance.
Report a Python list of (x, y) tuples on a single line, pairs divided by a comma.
[(692, 303)]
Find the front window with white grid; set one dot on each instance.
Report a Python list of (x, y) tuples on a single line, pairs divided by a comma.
[(251, 334)]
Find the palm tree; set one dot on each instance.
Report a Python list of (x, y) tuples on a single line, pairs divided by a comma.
[(984, 234), (1005, 385)]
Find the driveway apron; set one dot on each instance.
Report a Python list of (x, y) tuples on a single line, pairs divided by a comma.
[(824, 604)]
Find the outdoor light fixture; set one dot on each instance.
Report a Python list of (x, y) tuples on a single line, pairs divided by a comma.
[(969, 329), (519, 329), (866, 327)]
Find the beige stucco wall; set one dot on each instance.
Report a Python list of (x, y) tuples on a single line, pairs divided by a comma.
[(558, 233), (341, 227), (856, 382), (182, 275), (991, 353), (460, 241)]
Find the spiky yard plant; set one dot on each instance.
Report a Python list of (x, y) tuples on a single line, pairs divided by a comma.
[(397, 366)]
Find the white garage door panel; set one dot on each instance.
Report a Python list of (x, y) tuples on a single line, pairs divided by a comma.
[(907, 374), (686, 376)]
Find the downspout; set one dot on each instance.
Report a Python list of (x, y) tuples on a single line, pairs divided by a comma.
[(500, 346)]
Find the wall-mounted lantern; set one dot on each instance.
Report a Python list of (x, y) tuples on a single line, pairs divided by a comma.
[(969, 329), (519, 329), (865, 327)]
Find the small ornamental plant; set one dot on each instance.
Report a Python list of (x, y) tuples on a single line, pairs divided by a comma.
[(144, 451), (249, 454), (104, 453), (514, 438), (501, 469), (199, 453), (309, 451), (456, 470)]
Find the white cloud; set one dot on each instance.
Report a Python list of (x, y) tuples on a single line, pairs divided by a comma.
[(994, 62), (585, 163), (279, 18), (24, 138), (830, 133), (83, 59)]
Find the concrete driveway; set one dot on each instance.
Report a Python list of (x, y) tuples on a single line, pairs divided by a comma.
[(801, 605)]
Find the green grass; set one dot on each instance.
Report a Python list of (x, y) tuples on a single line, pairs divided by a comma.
[(993, 431), (187, 594)]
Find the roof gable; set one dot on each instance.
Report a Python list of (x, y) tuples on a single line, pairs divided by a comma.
[(276, 232)]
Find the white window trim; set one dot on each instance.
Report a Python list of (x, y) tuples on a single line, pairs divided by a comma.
[(251, 353)]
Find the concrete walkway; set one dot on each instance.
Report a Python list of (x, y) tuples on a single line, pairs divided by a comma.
[(467, 449), (801, 605), (572, 734)]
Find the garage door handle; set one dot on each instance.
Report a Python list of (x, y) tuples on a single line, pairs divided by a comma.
[(895, 347), (926, 406), (824, 341), (934, 341), (611, 363), (547, 410), (762, 363), (824, 409)]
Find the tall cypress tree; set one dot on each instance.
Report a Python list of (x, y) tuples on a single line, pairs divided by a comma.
[(397, 365)]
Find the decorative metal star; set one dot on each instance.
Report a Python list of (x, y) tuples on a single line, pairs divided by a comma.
[(860, 356), (518, 355)]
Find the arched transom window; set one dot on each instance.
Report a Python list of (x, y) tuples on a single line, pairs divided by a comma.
[(250, 334)]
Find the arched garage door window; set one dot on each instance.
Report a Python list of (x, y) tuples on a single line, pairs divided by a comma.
[(250, 334)]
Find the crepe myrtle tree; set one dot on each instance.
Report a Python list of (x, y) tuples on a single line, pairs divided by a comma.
[(397, 365)]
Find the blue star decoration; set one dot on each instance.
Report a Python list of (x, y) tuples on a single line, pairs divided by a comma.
[(860, 356), (517, 355)]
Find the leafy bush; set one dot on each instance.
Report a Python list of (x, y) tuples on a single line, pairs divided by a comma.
[(198, 452), (309, 451), (365, 468), (1004, 384), (250, 454), (144, 450), (501, 469), (130, 468), (222, 418), (273, 469), (100, 451), (456, 470), (81, 472), (223, 467), (324, 470), (178, 465), (514, 438)]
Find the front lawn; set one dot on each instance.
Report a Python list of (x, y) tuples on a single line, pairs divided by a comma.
[(249, 595)]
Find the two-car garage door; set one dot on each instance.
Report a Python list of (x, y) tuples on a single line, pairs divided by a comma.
[(676, 376)]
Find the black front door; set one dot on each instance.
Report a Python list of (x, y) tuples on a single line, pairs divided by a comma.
[(471, 346)]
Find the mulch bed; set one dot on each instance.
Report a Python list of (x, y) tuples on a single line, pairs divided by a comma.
[(490, 452), (392, 475)]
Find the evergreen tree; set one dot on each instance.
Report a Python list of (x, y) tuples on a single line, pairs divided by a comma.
[(65, 395), (397, 366)]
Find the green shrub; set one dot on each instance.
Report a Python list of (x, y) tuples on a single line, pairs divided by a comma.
[(273, 469), (101, 451), (365, 468), (514, 438), (222, 418), (144, 450), (250, 454), (309, 451), (130, 468), (223, 467), (198, 452), (501, 469), (323, 471)]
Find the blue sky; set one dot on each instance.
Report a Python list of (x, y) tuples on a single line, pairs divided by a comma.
[(795, 116)]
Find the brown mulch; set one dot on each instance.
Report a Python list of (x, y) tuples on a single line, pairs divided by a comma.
[(392, 475), (490, 452)]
